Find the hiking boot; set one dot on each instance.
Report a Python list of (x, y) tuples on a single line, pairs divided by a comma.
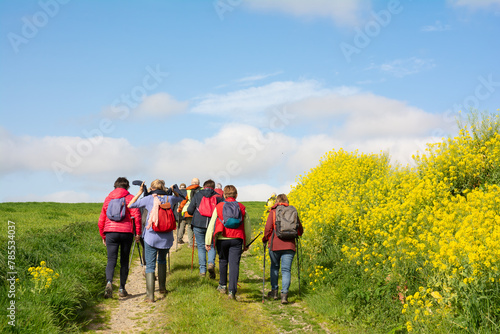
[(150, 287), (222, 289), (108, 291), (162, 277), (202, 274), (211, 270), (231, 295), (284, 298), (122, 292), (273, 294)]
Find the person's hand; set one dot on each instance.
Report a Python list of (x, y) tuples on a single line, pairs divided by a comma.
[(104, 242), (142, 187), (245, 249), (208, 247), (264, 240), (137, 238)]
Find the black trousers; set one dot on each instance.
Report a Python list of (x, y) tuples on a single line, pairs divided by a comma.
[(229, 251), (115, 241)]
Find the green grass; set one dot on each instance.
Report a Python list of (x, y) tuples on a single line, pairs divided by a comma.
[(66, 237), (194, 305)]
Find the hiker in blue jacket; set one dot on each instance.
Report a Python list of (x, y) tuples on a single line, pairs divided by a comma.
[(156, 244), (200, 224)]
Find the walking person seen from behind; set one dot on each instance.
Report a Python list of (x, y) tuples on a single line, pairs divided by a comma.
[(156, 244), (186, 217), (202, 206), (116, 226), (229, 230), (282, 247)]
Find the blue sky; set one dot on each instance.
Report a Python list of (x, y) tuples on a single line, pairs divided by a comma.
[(247, 92)]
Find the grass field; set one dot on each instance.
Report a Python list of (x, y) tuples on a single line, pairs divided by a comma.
[(66, 238)]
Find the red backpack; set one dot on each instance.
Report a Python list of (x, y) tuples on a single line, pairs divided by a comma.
[(207, 206), (166, 219)]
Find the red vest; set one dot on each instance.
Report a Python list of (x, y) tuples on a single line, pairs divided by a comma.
[(230, 232)]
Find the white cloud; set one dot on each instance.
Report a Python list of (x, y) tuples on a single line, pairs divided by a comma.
[(403, 67), (257, 99), (474, 3), (257, 77), (237, 151), (364, 115), (437, 26), (340, 11), (65, 155), (152, 106), (260, 160), (160, 104)]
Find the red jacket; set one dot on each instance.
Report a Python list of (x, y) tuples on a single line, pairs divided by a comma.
[(276, 243), (220, 192), (124, 226)]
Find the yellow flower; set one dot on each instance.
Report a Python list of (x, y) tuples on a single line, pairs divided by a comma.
[(436, 295)]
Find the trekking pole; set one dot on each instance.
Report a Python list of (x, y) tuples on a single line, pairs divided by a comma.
[(264, 274), (251, 242), (298, 262), (138, 246), (133, 245), (132, 254), (140, 255), (168, 255)]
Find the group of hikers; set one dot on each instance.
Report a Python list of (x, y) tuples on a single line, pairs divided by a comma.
[(214, 221)]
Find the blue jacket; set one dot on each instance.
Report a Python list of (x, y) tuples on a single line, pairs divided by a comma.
[(198, 219)]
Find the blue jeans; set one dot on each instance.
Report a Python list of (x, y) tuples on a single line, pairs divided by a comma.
[(150, 253), (286, 258), (199, 235)]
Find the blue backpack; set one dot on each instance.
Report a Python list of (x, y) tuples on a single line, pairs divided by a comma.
[(231, 215), (116, 209)]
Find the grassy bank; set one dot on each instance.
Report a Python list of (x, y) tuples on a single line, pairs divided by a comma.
[(60, 243)]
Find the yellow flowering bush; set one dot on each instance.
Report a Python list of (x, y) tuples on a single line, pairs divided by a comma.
[(424, 240), (42, 277)]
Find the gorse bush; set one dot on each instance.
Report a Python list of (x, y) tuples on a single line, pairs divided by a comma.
[(418, 246)]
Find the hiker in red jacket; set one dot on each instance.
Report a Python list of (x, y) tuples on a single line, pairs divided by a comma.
[(280, 251), (230, 240), (119, 235)]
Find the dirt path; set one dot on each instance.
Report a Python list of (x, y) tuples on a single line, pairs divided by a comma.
[(131, 314)]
